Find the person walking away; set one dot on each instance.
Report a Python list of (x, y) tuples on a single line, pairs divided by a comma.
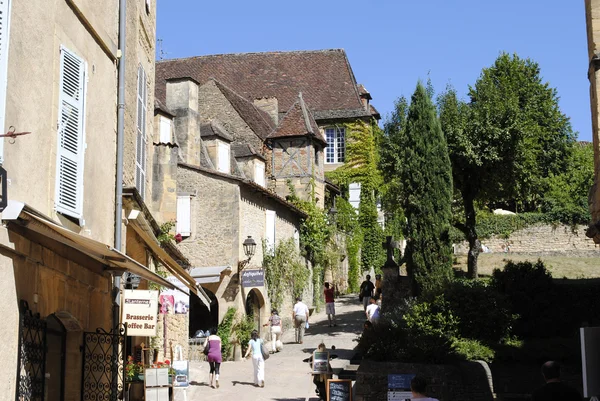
[(554, 389), (254, 348), (418, 385), (300, 318), (329, 303), (372, 311), (366, 291), (378, 285), (275, 329), (214, 357)]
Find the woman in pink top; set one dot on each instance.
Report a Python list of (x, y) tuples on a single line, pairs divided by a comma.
[(214, 357)]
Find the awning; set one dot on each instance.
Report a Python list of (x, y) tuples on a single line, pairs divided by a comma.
[(105, 254), (171, 265), (205, 275)]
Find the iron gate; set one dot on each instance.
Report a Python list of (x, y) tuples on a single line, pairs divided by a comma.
[(32, 355), (103, 373)]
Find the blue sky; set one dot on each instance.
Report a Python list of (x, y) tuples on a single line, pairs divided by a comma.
[(393, 43)]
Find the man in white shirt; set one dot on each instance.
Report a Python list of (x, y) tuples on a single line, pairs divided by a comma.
[(373, 311), (300, 318)]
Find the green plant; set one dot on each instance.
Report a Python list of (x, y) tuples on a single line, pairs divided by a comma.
[(162, 273), (242, 331), (165, 235), (224, 331), (133, 369), (472, 350)]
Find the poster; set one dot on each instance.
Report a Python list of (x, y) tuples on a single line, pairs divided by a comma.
[(167, 304), (182, 372), (176, 301), (140, 308), (253, 278)]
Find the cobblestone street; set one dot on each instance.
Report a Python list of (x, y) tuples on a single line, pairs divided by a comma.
[(287, 378)]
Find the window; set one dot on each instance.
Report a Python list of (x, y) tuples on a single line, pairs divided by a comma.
[(4, 32), (223, 163), (148, 5), (165, 130), (184, 216), (141, 142), (354, 194), (270, 230), (336, 145), (71, 135), (259, 173)]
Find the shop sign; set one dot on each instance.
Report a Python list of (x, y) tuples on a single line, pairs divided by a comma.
[(253, 278), (139, 311)]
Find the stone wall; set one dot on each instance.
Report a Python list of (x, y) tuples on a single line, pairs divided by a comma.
[(541, 239), (466, 381), (177, 327)]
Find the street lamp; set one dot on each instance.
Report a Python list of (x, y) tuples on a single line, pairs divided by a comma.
[(249, 250)]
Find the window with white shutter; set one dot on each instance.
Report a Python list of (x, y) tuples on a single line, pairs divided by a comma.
[(71, 135), (223, 163), (4, 34), (354, 194), (141, 142), (270, 230), (165, 130), (184, 216), (259, 173)]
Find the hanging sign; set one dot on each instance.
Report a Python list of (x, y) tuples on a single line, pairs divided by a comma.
[(399, 387), (253, 278), (139, 311)]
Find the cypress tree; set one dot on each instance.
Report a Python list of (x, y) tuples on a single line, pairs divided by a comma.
[(426, 195)]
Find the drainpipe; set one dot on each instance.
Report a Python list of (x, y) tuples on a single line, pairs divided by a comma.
[(119, 177)]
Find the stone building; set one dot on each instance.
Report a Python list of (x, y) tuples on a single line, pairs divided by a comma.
[(592, 10), (58, 254)]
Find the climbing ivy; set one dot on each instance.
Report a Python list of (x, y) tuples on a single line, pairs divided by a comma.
[(347, 223), (224, 331)]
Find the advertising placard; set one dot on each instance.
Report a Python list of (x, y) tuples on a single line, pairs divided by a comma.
[(139, 311), (253, 278), (182, 373)]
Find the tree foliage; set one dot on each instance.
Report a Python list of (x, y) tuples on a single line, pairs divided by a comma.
[(425, 191), (506, 141)]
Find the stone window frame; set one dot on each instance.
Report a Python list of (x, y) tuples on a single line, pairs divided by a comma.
[(335, 152)]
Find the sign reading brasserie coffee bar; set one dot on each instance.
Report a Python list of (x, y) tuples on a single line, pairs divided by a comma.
[(253, 278), (139, 311)]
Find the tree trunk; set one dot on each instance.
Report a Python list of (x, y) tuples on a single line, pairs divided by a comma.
[(471, 232)]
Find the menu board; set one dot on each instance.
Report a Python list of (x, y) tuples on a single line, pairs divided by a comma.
[(320, 362), (339, 390)]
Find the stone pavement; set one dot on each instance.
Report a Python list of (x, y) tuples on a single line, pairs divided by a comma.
[(287, 378)]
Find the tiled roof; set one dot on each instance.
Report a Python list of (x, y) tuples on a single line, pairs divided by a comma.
[(323, 76), (245, 150), (257, 120), (363, 92), (213, 128), (159, 106), (298, 121), (374, 112)]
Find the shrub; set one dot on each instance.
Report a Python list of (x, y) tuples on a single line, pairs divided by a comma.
[(532, 295), (483, 313), (472, 350), (224, 331)]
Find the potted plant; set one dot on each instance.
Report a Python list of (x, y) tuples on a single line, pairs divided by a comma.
[(134, 371)]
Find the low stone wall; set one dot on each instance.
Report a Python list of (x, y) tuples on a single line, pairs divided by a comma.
[(177, 334), (541, 239), (465, 381)]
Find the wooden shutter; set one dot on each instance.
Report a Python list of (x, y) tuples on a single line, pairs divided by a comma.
[(270, 229), (70, 154), (4, 38), (141, 142), (184, 216)]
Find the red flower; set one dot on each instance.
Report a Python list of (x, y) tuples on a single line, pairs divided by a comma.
[(167, 362)]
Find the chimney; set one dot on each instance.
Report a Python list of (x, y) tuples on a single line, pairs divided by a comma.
[(182, 100), (269, 105)]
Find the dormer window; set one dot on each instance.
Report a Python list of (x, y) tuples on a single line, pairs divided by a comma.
[(223, 157), (259, 173), (336, 145)]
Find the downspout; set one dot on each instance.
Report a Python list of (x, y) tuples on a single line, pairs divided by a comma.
[(119, 177)]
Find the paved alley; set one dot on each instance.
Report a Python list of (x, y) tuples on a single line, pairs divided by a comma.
[(287, 378)]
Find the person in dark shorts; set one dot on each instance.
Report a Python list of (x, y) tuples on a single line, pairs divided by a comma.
[(214, 357), (554, 389)]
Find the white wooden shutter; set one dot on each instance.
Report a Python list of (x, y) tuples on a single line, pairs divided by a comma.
[(259, 173), (184, 216), (71, 137), (270, 229), (4, 38), (165, 130), (354, 194), (141, 142), (223, 163)]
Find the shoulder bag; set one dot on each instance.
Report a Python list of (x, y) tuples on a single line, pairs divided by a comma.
[(264, 351), (206, 347)]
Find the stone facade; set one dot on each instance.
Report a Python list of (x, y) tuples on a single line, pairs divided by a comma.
[(541, 239)]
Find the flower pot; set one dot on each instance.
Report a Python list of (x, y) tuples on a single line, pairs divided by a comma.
[(140, 377)]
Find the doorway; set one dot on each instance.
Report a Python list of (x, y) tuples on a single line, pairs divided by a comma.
[(253, 307), (56, 338), (200, 317)]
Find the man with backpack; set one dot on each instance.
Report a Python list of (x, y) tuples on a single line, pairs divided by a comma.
[(366, 291)]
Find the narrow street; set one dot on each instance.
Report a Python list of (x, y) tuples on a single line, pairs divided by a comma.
[(287, 378)]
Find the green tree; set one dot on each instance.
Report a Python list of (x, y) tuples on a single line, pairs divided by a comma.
[(505, 142), (426, 194)]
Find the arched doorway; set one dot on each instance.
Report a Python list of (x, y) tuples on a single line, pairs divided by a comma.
[(254, 304), (200, 317), (56, 341)]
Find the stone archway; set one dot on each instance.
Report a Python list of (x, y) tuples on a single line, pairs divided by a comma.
[(254, 306), (200, 317)]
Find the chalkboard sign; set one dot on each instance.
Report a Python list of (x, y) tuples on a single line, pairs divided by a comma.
[(339, 390)]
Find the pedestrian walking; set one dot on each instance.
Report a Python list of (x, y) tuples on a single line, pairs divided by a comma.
[(255, 349), (366, 291), (329, 303), (300, 318), (372, 311), (554, 389), (418, 385), (275, 330), (378, 286), (214, 357)]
